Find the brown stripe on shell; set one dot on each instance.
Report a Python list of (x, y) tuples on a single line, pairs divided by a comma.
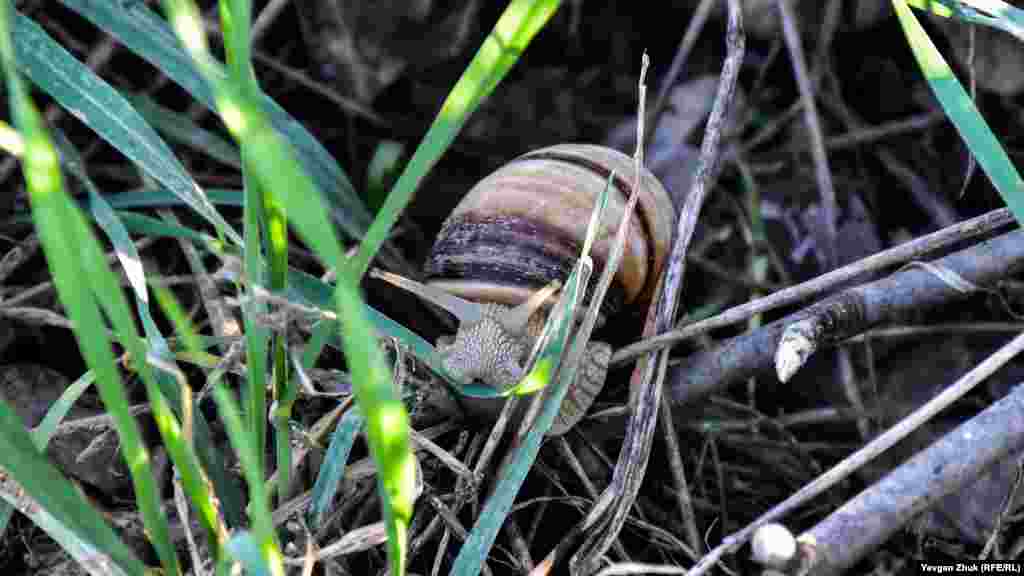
[(508, 250), (619, 183)]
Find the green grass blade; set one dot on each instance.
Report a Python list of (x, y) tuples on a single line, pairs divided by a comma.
[(70, 240), (518, 24), (243, 547), (387, 423), (72, 255), (235, 20), (384, 168), (146, 34), (149, 198), (275, 167), (180, 448), (257, 336), (181, 443), (61, 510), (993, 13), (158, 197), (182, 129), (961, 111), (116, 232), (311, 291), (265, 540), (42, 433), (149, 226), (107, 113), (333, 467)]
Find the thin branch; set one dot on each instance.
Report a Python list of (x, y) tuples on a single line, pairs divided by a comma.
[(961, 455), (817, 143), (605, 520), (970, 229), (850, 312), (1006, 412)]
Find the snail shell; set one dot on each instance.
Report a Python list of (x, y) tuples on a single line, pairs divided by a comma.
[(523, 226)]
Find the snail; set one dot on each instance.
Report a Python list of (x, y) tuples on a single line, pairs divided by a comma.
[(518, 230)]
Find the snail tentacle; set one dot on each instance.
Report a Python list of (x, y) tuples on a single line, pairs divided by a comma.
[(515, 320), (465, 311)]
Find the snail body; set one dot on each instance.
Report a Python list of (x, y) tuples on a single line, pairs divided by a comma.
[(519, 230)]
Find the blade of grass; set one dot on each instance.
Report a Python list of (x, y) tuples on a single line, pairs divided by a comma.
[(265, 539), (961, 111), (333, 467), (59, 508), (42, 433), (993, 13), (147, 198), (180, 446), (235, 19), (518, 24), (257, 336), (146, 34), (179, 438), (183, 130), (158, 197), (107, 113), (71, 253), (387, 423), (274, 165)]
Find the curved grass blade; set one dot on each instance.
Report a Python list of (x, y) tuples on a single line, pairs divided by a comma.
[(518, 24), (148, 198), (382, 171), (182, 129), (42, 433), (107, 113), (313, 292), (148, 226), (180, 447), (57, 506), (264, 543), (146, 34), (159, 197), (993, 13), (333, 467), (275, 167), (387, 424), (957, 105), (73, 255), (243, 547)]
